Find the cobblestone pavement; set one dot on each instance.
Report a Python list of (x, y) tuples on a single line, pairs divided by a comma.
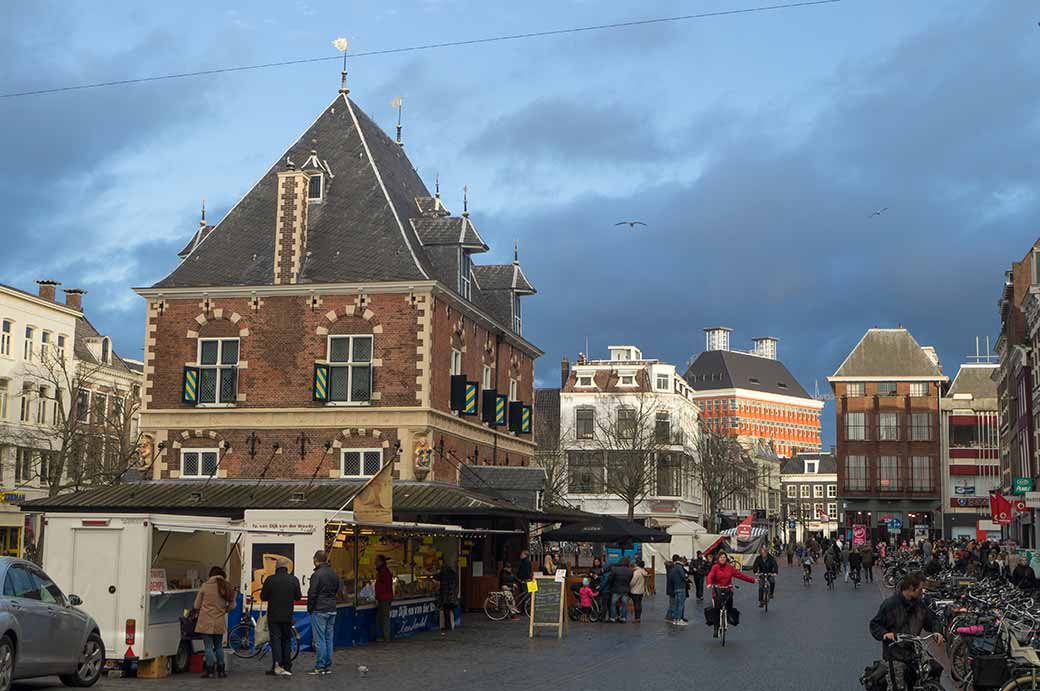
[(811, 639)]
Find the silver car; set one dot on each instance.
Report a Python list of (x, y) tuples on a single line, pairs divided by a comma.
[(41, 631)]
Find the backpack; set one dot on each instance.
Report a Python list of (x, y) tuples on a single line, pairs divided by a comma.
[(875, 676)]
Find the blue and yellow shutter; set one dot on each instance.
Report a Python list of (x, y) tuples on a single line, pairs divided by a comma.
[(525, 420), (190, 390), (321, 382), (471, 398), (501, 400)]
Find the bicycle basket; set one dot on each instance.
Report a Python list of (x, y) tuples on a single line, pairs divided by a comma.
[(989, 671), (875, 677)]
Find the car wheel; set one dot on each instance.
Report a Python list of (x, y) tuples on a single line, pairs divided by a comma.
[(7, 659), (90, 666)]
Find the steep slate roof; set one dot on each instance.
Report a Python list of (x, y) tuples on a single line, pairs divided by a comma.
[(547, 419), (86, 331), (503, 478), (502, 277), (974, 379), (449, 230), (232, 497), (743, 371), (892, 353), (794, 466)]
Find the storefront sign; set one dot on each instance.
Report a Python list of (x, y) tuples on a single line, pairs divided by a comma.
[(920, 532), (792, 524), (815, 525), (664, 506), (157, 581), (962, 502), (859, 535), (1033, 500), (408, 619), (964, 489), (1021, 485), (12, 497)]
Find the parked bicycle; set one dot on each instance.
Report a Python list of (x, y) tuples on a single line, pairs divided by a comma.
[(247, 642), (500, 604)]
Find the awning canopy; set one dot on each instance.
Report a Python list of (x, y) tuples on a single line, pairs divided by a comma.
[(606, 529), (755, 532)]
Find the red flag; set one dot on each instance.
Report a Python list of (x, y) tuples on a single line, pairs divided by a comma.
[(1020, 505), (1000, 508)]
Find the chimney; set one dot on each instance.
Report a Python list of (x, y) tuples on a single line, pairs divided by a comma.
[(717, 338), (48, 289), (932, 355), (74, 298), (565, 371), (765, 346), (290, 224)]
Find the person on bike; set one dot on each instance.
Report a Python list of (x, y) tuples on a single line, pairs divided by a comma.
[(321, 606), (620, 583), (855, 564), (720, 579), (831, 559), (676, 591), (868, 563), (280, 592), (700, 570), (807, 564), (765, 564), (903, 613)]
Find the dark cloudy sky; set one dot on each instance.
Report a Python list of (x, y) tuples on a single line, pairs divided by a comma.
[(754, 146)]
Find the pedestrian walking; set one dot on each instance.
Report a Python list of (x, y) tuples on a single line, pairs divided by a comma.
[(213, 601), (637, 589), (621, 580), (384, 596), (322, 595), (280, 592), (447, 596), (868, 563), (676, 591), (700, 570), (789, 551)]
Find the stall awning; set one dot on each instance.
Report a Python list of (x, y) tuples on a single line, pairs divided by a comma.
[(417, 528), (755, 532), (606, 529)]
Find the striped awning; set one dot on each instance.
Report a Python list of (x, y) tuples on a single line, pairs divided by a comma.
[(755, 532)]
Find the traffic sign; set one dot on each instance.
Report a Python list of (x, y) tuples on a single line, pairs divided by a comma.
[(895, 524), (792, 524)]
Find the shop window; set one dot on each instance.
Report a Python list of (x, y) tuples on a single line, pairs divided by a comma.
[(350, 369), (218, 370), (359, 463), (586, 472), (199, 463)]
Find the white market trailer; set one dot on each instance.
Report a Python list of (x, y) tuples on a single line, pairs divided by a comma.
[(137, 574)]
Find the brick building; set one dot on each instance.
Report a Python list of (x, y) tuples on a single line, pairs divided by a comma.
[(337, 313), (887, 393), (753, 396)]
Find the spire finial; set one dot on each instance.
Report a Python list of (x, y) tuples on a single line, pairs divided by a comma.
[(340, 44), (399, 104), (437, 185), (516, 251), (202, 221), (314, 147), (465, 201)]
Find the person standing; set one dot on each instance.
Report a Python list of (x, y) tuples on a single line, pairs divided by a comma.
[(620, 583), (700, 570), (214, 600), (844, 559), (280, 592), (549, 565), (868, 563), (384, 596), (637, 589), (789, 551), (448, 592), (524, 570), (322, 592), (676, 590)]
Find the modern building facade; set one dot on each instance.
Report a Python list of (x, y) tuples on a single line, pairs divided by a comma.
[(970, 450), (335, 321), (753, 396), (605, 405), (887, 406), (809, 496)]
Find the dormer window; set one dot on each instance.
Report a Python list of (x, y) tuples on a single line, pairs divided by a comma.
[(465, 269), (315, 187), (517, 321), (106, 351)]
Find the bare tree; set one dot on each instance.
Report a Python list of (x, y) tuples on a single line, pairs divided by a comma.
[(722, 468), (551, 457), (628, 438), (68, 440)]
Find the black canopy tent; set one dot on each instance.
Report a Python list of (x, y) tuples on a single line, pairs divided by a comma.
[(606, 529)]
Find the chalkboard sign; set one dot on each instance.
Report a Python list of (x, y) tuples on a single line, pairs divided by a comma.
[(548, 606)]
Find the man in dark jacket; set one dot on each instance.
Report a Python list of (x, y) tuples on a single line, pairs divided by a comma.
[(384, 596), (621, 580), (280, 592), (903, 613), (524, 570), (699, 567), (322, 594), (676, 590), (765, 563)]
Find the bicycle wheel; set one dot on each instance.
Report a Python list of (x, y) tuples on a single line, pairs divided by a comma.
[(526, 607), (294, 644), (765, 605), (960, 661), (723, 625), (1029, 682), (495, 607), (242, 640)]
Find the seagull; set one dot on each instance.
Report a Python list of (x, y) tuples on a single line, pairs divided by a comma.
[(878, 212), (630, 224)]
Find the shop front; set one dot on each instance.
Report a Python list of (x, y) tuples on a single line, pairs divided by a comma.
[(889, 524)]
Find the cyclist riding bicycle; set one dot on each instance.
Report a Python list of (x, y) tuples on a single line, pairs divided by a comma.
[(855, 563), (507, 583), (765, 565), (720, 580)]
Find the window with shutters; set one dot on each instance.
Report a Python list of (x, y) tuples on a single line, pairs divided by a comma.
[(585, 423), (350, 369), (361, 463), (199, 463), (218, 371)]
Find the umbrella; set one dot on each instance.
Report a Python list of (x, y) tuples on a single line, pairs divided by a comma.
[(606, 529)]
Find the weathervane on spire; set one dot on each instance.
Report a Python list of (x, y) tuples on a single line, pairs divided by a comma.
[(465, 201), (202, 221), (340, 44), (516, 251), (399, 104), (437, 185)]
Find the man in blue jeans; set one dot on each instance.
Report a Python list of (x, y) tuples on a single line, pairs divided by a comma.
[(676, 589), (321, 605)]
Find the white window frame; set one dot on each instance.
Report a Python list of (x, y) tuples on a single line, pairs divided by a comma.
[(918, 389), (219, 366), (812, 466), (792, 491), (804, 492), (30, 336), (59, 348), (455, 366), (832, 491), (662, 378), (200, 473), (817, 491), (486, 378), (361, 463), (832, 511), (817, 509), (591, 381), (5, 390), (514, 389), (321, 188), (518, 322), (25, 412), (465, 280), (45, 342), (350, 365), (5, 336), (41, 405)]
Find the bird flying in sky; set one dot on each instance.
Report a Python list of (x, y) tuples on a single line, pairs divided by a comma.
[(878, 212), (630, 224)]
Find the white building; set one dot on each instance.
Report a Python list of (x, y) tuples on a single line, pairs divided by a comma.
[(601, 400), (809, 496)]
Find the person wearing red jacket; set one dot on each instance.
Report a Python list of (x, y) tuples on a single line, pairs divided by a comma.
[(720, 580), (384, 595)]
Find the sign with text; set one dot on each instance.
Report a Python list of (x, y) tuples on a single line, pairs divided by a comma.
[(964, 489), (1033, 500), (859, 535), (548, 605), (1021, 485)]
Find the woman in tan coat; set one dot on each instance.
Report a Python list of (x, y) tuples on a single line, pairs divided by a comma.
[(215, 599)]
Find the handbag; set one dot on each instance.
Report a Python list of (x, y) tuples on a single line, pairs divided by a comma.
[(262, 633)]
